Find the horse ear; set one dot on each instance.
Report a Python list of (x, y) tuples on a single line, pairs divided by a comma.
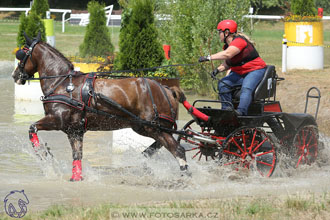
[(39, 36), (27, 39)]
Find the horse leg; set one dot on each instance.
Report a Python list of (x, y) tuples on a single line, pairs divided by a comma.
[(152, 149), (176, 149), (46, 123), (76, 141)]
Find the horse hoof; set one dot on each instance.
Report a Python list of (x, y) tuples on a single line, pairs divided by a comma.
[(185, 171)]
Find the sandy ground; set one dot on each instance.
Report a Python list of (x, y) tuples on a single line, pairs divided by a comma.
[(292, 94)]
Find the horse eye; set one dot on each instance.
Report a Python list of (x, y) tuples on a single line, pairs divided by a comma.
[(20, 54)]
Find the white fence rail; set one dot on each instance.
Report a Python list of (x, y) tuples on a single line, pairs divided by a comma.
[(83, 18), (274, 17)]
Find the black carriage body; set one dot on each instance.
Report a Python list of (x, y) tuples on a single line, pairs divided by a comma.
[(249, 141), (283, 125), (264, 112)]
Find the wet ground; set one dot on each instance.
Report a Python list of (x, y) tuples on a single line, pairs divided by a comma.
[(127, 177)]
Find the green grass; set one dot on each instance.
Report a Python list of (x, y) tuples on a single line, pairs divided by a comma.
[(307, 206), (68, 42)]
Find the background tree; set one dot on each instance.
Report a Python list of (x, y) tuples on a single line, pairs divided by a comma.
[(33, 23), (190, 29), (97, 40), (138, 41), (40, 7), (303, 7), (21, 28)]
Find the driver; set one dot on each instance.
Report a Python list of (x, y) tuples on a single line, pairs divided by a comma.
[(246, 67)]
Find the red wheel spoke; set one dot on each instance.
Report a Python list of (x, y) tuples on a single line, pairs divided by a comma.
[(254, 136), (261, 143), (235, 154), (309, 141), (260, 172), (244, 142), (237, 145), (200, 156), (264, 163), (301, 156), (196, 154), (233, 162), (195, 148), (268, 152)]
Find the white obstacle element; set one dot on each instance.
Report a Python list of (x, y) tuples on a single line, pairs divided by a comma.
[(84, 17), (64, 11), (124, 139)]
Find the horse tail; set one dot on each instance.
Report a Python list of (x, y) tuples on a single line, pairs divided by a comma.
[(178, 94)]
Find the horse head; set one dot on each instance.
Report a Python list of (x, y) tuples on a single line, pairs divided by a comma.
[(27, 63)]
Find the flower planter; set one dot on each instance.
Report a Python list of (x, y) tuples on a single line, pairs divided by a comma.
[(86, 67), (305, 45)]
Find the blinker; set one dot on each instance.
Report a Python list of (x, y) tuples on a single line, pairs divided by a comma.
[(20, 54)]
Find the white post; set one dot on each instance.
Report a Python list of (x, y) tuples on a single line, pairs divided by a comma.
[(63, 21), (284, 53), (48, 14), (251, 13)]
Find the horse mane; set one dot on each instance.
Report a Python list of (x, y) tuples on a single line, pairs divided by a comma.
[(59, 55)]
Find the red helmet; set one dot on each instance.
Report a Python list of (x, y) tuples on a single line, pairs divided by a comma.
[(231, 25)]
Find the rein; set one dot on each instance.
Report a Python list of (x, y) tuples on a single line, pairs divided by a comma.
[(106, 74)]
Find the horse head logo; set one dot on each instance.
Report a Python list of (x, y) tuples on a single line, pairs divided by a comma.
[(15, 204)]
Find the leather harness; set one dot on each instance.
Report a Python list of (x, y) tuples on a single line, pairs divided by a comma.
[(87, 94)]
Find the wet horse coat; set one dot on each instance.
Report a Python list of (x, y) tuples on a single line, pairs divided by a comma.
[(136, 95)]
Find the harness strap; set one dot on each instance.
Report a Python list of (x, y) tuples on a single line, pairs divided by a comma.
[(161, 116), (86, 95), (59, 98), (168, 100), (152, 100), (63, 99), (59, 83), (87, 90), (116, 105)]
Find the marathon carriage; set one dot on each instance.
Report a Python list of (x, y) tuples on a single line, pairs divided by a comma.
[(75, 102), (251, 141)]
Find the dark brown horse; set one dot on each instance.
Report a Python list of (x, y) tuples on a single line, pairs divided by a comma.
[(75, 103)]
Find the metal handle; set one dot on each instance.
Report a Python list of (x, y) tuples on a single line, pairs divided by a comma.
[(318, 97)]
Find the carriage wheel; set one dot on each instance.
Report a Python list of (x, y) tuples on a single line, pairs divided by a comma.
[(250, 148), (209, 151), (305, 145)]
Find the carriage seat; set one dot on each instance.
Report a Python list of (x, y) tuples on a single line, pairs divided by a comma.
[(265, 89)]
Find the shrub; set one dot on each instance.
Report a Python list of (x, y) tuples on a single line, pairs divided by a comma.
[(40, 7), (97, 41), (191, 32), (31, 25), (22, 27), (138, 41), (303, 7)]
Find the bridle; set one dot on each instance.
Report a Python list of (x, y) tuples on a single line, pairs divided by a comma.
[(28, 53)]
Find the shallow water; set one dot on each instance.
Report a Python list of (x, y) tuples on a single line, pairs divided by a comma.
[(126, 176)]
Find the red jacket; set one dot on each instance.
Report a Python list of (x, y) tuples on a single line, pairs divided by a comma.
[(247, 60)]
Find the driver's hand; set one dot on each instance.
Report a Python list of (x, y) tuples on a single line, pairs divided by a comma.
[(215, 73), (204, 58)]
